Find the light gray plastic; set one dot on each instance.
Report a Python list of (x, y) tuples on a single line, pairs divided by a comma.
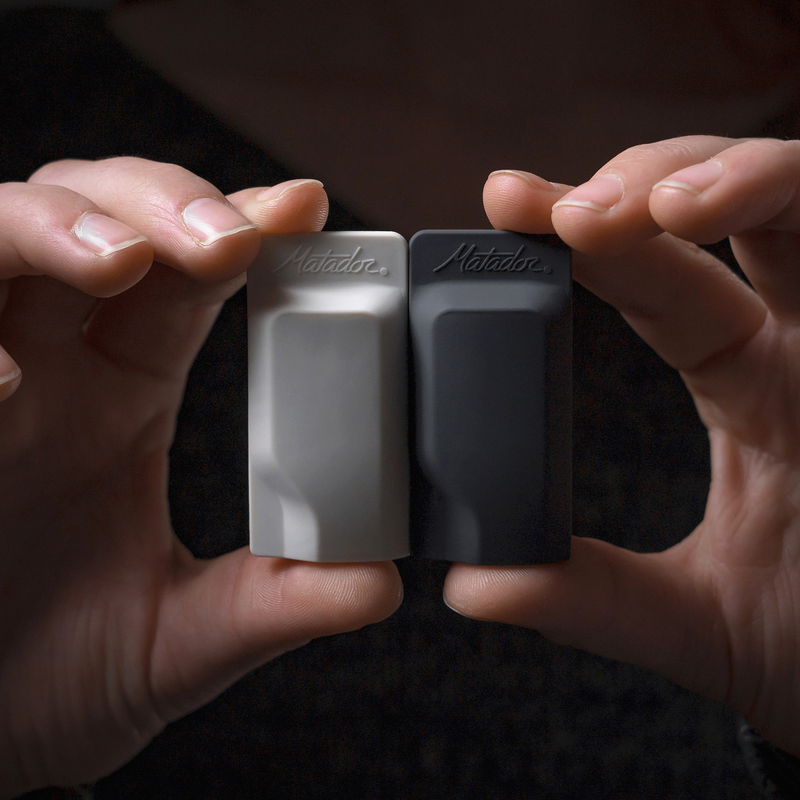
[(327, 397)]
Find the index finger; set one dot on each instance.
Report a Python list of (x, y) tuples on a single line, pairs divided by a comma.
[(190, 224), (10, 373), (685, 304), (609, 213)]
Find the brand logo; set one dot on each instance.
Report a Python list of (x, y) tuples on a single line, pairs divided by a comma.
[(306, 260), (470, 259)]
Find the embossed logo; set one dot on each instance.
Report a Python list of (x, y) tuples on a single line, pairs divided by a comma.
[(306, 260), (470, 259)]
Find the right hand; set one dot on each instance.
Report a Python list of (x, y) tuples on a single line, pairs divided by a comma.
[(719, 612)]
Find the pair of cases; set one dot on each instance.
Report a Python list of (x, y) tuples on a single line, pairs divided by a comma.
[(461, 451)]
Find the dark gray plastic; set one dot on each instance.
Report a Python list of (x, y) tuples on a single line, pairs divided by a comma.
[(491, 335)]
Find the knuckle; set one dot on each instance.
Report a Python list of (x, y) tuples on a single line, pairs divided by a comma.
[(643, 153), (52, 170), (10, 195), (161, 189), (680, 151), (40, 208), (148, 173), (764, 150)]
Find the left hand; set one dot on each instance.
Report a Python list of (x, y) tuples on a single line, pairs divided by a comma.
[(109, 626)]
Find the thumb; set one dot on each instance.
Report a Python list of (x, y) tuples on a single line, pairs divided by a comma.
[(235, 612), (10, 374), (645, 609)]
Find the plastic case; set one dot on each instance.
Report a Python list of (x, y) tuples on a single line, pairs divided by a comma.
[(327, 322), (491, 333)]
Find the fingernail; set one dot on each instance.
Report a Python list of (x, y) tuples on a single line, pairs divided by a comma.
[(209, 220), (105, 235), (444, 599), (598, 194), (9, 371), (274, 192), (11, 376), (695, 179), (534, 180)]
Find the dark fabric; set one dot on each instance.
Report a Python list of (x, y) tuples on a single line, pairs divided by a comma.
[(426, 704), (776, 773)]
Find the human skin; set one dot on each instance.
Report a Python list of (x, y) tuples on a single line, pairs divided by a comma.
[(429, 101), (580, 82), (110, 628), (718, 613)]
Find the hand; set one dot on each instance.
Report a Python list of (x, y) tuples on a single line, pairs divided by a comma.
[(718, 613), (111, 275)]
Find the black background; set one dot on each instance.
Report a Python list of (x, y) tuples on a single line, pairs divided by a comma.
[(426, 704)]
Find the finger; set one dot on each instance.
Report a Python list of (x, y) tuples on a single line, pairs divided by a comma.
[(10, 373), (750, 193), (160, 324), (520, 201), (610, 213), (224, 617), (189, 223), (49, 230), (40, 315), (639, 608), (297, 206), (688, 306), (52, 232), (770, 259), (683, 302)]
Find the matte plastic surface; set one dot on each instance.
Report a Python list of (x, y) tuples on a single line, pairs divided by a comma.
[(327, 326), (491, 332)]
